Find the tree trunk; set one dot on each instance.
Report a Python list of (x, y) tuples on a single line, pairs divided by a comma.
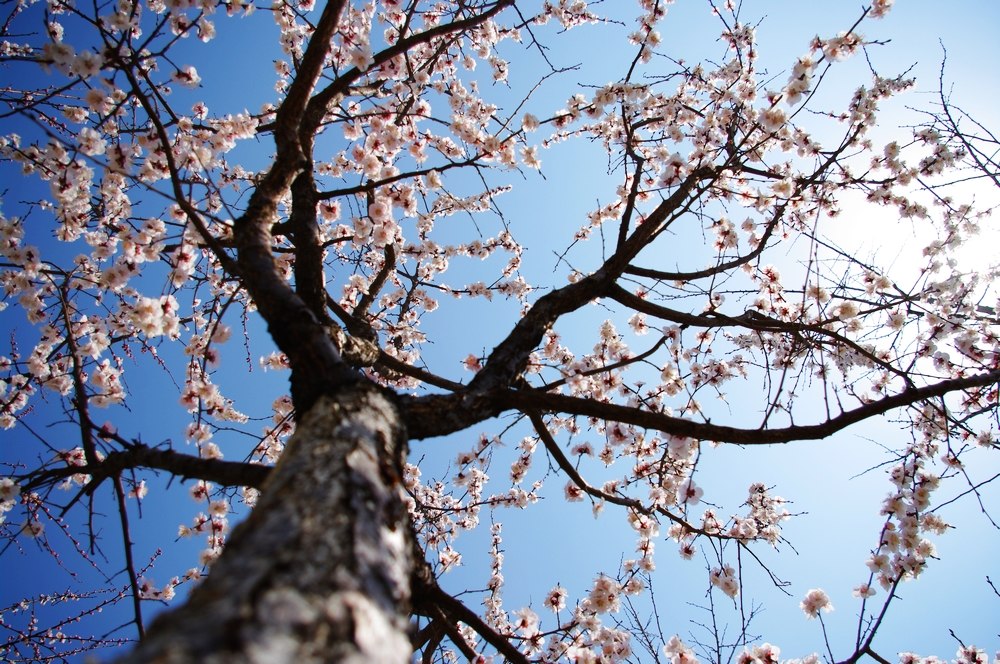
[(320, 570)]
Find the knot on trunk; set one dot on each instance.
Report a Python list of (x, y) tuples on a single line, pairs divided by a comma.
[(356, 351)]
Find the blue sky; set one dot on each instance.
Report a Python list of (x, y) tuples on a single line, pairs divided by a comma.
[(554, 542)]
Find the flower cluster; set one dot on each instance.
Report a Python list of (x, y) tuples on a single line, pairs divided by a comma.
[(903, 551), (9, 492), (213, 525)]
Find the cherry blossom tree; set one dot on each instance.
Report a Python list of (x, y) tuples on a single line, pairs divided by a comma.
[(167, 243)]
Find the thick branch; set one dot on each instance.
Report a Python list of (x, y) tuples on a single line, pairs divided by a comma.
[(509, 358), (721, 268), (224, 473), (316, 365), (527, 399), (439, 415)]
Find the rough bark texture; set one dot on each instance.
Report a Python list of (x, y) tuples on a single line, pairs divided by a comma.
[(320, 570)]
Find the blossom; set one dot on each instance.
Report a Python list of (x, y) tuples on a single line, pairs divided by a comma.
[(636, 585), (880, 8), (971, 655), (783, 188), (87, 64), (530, 157), (638, 324), (384, 234), (605, 595), (449, 558), (818, 293), (572, 492), (187, 76), (362, 58), (33, 528), (799, 80), (864, 591), (556, 599), (772, 119), (61, 54), (97, 100), (678, 652), (815, 600), (724, 578), (847, 310), (690, 493), (527, 621), (762, 654), (9, 489), (842, 46), (380, 211)]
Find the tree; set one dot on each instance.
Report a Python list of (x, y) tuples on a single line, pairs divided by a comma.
[(140, 233)]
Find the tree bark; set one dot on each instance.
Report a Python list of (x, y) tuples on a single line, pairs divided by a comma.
[(320, 570)]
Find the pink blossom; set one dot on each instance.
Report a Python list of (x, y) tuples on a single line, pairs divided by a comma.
[(814, 601)]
